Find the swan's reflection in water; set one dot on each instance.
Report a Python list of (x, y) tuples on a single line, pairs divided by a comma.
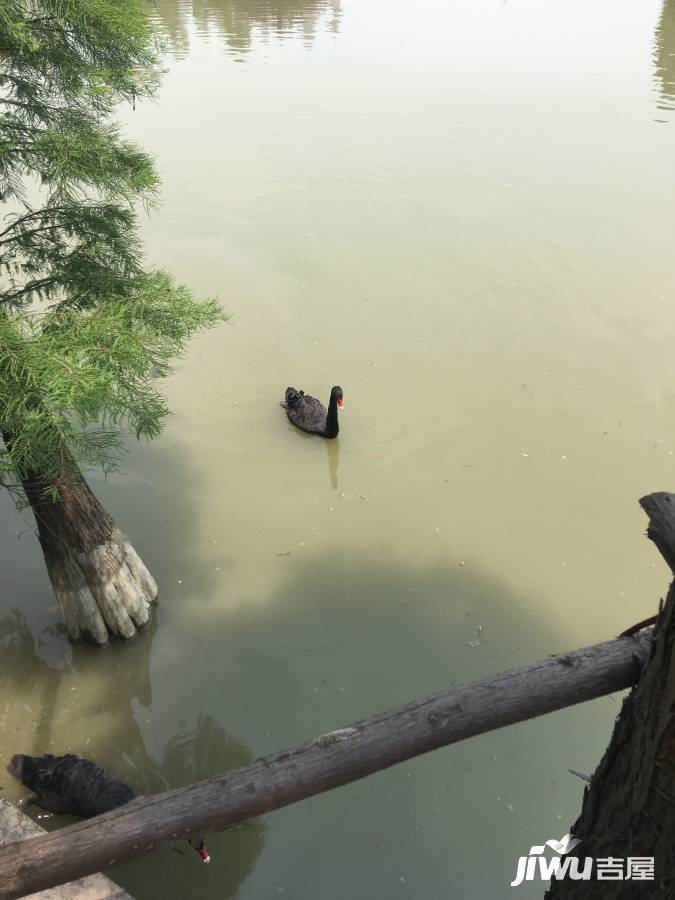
[(333, 451)]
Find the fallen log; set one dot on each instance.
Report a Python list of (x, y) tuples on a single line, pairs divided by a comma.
[(15, 824), (329, 761)]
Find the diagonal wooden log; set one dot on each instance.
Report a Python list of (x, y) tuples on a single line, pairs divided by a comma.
[(629, 806), (15, 824), (329, 761)]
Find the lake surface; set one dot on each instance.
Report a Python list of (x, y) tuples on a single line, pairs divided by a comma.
[(462, 212)]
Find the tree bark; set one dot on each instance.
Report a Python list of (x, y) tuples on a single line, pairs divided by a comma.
[(101, 584), (629, 807), (329, 761)]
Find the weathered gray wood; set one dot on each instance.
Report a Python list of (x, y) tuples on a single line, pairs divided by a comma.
[(327, 762), (15, 825), (660, 507)]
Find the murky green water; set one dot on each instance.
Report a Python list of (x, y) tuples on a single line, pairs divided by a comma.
[(462, 212)]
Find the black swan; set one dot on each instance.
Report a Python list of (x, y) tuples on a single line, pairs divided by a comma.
[(310, 414), (74, 786)]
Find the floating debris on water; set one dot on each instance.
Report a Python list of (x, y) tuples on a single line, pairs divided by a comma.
[(476, 641)]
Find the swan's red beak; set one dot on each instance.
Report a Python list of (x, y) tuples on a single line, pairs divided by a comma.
[(341, 404), (204, 855)]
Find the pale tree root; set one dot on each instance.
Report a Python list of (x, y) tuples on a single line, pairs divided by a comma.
[(106, 591)]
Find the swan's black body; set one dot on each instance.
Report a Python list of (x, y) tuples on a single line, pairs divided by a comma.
[(311, 415), (70, 785)]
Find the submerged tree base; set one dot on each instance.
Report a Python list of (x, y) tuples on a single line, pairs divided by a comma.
[(103, 587), (107, 592)]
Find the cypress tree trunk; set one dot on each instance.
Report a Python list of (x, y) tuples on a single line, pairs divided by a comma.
[(102, 585), (629, 806)]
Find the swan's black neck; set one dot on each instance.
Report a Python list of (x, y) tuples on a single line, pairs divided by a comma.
[(332, 426)]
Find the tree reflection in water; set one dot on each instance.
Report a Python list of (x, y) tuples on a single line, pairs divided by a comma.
[(664, 56), (93, 708), (238, 21)]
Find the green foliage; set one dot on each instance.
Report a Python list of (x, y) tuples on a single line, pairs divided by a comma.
[(85, 331), (65, 65), (69, 378)]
